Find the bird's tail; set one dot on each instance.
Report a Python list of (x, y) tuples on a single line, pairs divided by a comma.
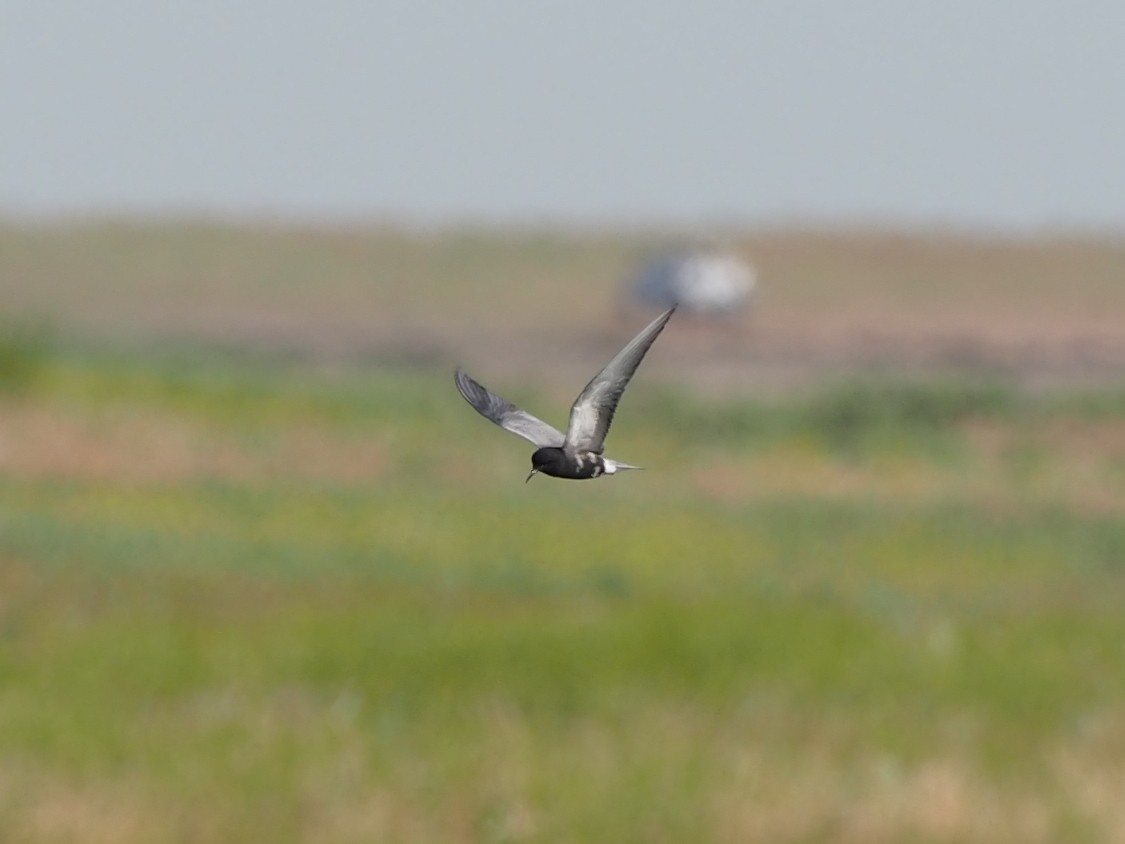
[(612, 466)]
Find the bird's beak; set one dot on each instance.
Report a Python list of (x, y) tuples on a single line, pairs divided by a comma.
[(532, 475)]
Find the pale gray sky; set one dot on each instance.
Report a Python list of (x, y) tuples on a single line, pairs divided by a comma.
[(1007, 113)]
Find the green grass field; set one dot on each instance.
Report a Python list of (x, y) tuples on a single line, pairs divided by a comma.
[(248, 598)]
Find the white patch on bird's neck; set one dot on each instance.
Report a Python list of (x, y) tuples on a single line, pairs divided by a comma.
[(610, 467)]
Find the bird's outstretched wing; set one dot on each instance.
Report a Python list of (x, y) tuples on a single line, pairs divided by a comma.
[(507, 415), (593, 410)]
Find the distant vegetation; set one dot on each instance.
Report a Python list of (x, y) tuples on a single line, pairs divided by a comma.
[(244, 600), (23, 351), (249, 592)]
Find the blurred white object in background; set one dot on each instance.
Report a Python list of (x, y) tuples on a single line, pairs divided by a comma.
[(702, 281)]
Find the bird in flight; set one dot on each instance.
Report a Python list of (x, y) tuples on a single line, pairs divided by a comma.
[(577, 454)]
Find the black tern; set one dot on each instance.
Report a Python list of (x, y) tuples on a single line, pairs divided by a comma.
[(577, 454)]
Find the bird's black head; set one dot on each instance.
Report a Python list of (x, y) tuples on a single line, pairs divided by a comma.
[(547, 460)]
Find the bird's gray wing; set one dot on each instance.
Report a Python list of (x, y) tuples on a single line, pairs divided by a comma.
[(507, 415), (593, 410)]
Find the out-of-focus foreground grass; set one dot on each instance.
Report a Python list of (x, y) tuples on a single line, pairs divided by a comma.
[(250, 602)]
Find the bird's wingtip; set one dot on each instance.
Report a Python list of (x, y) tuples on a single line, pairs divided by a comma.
[(465, 385)]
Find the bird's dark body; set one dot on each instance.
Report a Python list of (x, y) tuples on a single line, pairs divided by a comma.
[(560, 463)]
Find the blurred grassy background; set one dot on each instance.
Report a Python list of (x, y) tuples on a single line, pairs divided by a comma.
[(265, 577)]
